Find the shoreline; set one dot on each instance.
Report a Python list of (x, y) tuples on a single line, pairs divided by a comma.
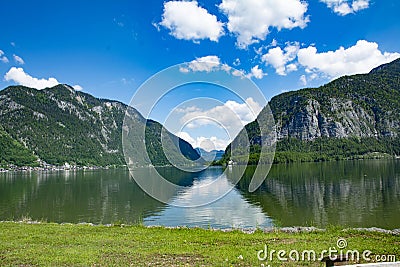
[(50, 168), (285, 229), (57, 168)]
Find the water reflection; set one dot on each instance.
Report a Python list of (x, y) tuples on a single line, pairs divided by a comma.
[(230, 210), (90, 196), (350, 193), (353, 193)]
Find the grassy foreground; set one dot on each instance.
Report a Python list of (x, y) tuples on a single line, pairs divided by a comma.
[(47, 244)]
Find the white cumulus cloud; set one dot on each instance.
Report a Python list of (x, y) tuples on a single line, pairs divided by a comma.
[(256, 72), (19, 76), (345, 7), (207, 64), (213, 63), (360, 58), (188, 21), (279, 58), (251, 20), (208, 144), (231, 115)]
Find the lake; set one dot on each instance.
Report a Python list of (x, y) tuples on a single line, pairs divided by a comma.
[(348, 193)]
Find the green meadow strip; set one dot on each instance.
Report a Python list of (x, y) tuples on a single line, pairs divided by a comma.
[(46, 244)]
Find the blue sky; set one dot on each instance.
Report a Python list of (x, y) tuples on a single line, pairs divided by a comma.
[(109, 48)]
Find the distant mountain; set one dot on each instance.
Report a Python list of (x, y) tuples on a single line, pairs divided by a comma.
[(350, 117), (59, 125), (210, 155)]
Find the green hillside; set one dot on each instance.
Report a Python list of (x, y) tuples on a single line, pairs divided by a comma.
[(351, 117), (62, 125), (14, 153)]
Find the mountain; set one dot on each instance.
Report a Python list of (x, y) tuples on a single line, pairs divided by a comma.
[(210, 155), (13, 152), (352, 116), (59, 125)]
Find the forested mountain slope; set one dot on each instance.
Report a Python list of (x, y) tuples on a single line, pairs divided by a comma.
[(61, 125)]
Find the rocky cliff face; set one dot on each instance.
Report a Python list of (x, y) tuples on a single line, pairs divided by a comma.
[(348, 117), (357, 106), (343, 119)]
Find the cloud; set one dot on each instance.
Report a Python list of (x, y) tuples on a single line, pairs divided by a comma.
[(236, 62), (3, 58), (256, 72), (188, 109), (231, 115), (186, 136), (207, 64), (77, 87), (251, 20), (208, 144), (119, 23), (303, 80), (18, 60), (360, 5), (189, 21), (279, 58), (344, 7), (360, 58), (213, 63), (20, 77), (238, 73), (291, 67)]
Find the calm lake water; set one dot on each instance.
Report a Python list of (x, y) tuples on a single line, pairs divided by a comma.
[(349, 193)]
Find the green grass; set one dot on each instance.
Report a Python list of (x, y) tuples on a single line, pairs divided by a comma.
[(45, 244)]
